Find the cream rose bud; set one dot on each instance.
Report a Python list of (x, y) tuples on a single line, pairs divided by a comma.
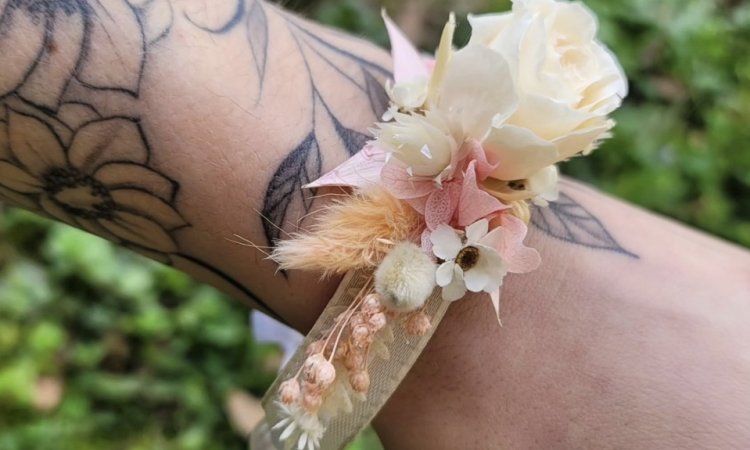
[(567, 81), (424, 145)]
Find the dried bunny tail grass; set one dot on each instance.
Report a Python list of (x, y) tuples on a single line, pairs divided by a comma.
[(354, 232)]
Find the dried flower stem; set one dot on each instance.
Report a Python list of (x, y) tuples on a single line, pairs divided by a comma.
[(356, 303)]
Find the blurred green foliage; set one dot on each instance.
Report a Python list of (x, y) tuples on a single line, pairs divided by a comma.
[(145, 357)]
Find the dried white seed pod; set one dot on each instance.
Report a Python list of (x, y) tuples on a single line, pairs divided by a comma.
[(405, 278), (354, 360), (312, 401), (377, 321), (372, 304), (360, 381), (315, 347), (418, 324), (319, 371), (289, 391)]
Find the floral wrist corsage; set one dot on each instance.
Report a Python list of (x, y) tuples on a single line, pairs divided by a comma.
[(438, 202)]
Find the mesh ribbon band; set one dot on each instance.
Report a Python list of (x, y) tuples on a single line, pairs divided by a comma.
[(385, 374)]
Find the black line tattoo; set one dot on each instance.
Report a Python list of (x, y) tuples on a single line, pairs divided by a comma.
[(304, 162), (279, 196), (566, 220), (63, 157), (256, 25)]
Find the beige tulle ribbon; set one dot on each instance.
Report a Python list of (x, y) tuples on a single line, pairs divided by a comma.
[(385, 374)]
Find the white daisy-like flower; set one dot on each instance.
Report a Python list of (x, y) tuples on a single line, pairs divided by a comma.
[(300, 427), (471, 261)]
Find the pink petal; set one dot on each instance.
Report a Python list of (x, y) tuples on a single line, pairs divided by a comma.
[(523, 260), (495, 297), (419, 204), (408, 65), (475, 203), (426, 241), (360, 170), (439, 209), (402, 186), (476, 153), (507, 239)]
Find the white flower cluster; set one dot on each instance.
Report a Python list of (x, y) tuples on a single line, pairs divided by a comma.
[(533, 85)]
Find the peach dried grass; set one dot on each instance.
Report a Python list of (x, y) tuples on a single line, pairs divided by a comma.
[(352, 233)]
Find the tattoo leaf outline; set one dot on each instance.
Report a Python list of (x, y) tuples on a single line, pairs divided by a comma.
[(257, 36), (567, 220), (302, 166)]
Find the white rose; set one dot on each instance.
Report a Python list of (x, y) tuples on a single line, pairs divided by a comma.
[(567, 83)]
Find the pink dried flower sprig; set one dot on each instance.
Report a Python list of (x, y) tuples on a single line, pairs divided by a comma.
[(346, 348)]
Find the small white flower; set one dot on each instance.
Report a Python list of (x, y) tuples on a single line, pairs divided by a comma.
[(300, 426), (471, 261)]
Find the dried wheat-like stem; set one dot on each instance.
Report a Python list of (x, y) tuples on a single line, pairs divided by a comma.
[(353, 232)]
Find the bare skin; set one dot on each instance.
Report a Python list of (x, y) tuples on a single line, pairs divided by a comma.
[(173, 128)]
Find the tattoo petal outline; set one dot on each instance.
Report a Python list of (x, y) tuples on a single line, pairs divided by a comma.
[(78, 187), (111, 61)]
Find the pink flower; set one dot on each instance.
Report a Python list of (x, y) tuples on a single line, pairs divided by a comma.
[(458, 200)]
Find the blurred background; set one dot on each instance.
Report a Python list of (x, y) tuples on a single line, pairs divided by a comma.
[(101, 349)]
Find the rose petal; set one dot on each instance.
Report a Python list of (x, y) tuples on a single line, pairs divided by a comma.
[(486, 28), (519, 151), (472, 90), (107, 140), (34, 144), (559, 118), (582, 140), (445, 242)]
